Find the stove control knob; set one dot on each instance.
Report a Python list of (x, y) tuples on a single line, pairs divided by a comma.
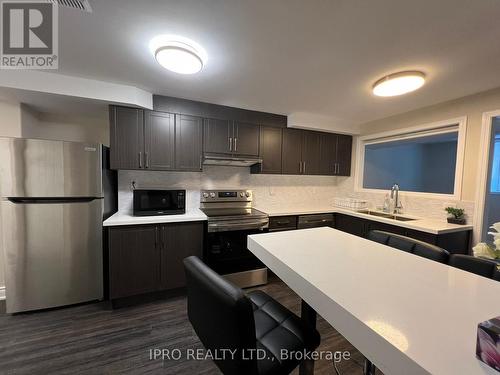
[(247, 194), (212, 195), (205, 195), (242, 194)]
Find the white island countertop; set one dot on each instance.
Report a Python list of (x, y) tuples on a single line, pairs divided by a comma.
[(407, 314), (434, 226), (126, 218)]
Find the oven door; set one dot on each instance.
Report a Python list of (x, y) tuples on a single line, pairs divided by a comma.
[(241, 225), (226, 252)]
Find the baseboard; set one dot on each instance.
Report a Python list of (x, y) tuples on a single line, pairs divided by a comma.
[(2, 292)]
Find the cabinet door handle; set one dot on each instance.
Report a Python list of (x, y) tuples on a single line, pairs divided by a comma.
[(338, 168), (156, 237), (300, 167), (140, 159), (146, 158), (163, 237), (304, 167), (230, 144), (235, 144), (201, 159)]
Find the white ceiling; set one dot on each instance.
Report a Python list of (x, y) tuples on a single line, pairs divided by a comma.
[(303, 58)]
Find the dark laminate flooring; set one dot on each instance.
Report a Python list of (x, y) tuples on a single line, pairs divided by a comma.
[(89, 339)]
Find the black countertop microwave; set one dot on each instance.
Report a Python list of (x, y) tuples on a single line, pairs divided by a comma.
[(159, 202)]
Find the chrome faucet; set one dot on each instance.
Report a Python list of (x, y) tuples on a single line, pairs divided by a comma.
[(395, 196)]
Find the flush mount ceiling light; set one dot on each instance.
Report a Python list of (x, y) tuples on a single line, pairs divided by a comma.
[(178, 54), (399, 83)]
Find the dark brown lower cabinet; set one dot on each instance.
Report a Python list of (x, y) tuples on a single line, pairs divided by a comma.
[(278, 223), (350, 224), (134, 260), (148, 258), (376, 225), (180, 241), (455, 242)]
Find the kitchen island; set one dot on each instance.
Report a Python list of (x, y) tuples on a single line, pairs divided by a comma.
[(406, 314)]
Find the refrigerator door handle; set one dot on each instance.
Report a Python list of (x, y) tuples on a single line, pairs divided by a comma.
[(50, 200)]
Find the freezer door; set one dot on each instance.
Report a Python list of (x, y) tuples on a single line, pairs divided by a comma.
[(39, 168), (52, 253)]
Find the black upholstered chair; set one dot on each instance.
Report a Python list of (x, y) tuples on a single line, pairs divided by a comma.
[(410, 245), (481, 267), (496, 275), (224, 317)]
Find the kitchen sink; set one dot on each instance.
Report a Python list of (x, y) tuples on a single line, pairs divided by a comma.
[(403, 218), (386, 215)]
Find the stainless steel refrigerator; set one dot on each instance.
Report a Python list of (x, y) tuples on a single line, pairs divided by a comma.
[(55, 196)]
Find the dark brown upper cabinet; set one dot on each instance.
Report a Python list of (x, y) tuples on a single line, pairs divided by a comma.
[(218, 136), (159, 141), (310, 153), (246, 139), (315, 153), (344, 154), (231, 138), (328, 154), (126, 137), (270, 151), (301, 152), (335, 150), (188, 143), (291, 151), (154, 140)]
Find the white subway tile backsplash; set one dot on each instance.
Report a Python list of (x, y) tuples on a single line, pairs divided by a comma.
[(269, 190), (272, 191)]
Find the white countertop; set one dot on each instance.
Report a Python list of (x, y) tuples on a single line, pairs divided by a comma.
[(407, 314), (296, 210), (126, 218), (434, 226)]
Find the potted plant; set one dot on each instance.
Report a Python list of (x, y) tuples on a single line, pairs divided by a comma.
[(488, 251), (455, 215)]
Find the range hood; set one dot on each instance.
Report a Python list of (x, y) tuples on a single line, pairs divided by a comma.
[(231, 161)]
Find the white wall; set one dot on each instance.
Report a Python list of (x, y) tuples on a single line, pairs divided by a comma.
[(10, 119), (92, 128), (471, 106)]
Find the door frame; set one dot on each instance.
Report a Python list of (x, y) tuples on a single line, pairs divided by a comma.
[(482, 172)]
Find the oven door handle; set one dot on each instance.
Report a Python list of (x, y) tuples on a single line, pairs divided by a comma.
[(254, 224)]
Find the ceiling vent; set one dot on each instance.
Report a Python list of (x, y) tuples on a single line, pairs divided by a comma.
[(82, 5)]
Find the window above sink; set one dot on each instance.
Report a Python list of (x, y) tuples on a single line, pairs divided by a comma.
[(425, 160)]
